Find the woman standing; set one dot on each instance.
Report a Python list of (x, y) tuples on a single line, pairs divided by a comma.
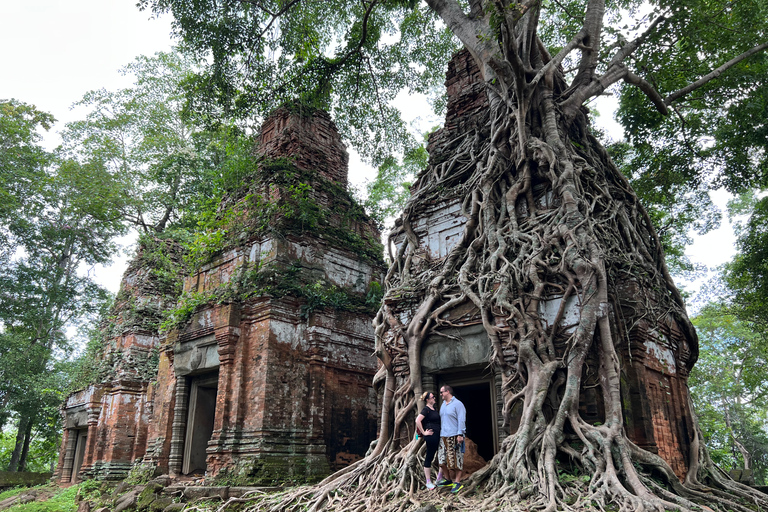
[(428, 425)]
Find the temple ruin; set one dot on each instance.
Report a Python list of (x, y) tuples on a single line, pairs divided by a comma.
[(280, 383), (267, 374)]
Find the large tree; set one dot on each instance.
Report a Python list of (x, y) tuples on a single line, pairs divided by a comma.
[(728, 387), (747, 274), (56, 218), (541, 62), (165, 166)]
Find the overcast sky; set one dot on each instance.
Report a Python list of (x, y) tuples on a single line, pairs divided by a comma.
[(54, 51)]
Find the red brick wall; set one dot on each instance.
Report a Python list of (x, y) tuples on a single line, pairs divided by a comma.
[(309, 139)]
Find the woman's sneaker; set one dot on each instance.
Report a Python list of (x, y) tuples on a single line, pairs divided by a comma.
[(444, 483), (430, 486), (457, 487)]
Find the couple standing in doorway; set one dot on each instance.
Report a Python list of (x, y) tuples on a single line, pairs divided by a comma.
[(444, 433)]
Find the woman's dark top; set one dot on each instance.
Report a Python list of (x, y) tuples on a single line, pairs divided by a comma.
[(431, 420)]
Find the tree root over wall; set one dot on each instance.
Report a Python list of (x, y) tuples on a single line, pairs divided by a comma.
[(547, 214)]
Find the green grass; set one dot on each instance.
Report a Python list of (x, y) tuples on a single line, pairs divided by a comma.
[(12, 492), (62, 500)]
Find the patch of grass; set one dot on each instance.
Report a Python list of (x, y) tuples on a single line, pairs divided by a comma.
[(62, 500), (12, 492)]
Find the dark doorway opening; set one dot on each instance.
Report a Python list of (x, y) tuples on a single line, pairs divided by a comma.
[(80, 443), (200, 420), (477, 398)]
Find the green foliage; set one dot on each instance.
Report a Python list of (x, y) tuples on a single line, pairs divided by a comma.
[(12, 492), (164, 168), (729, 390), (22, 160), (389, 192), (568, 476), (187, 305), (158, 264), (140, 474), (716, 137), (276, 280), (43, 450), (55, 219), (677, 202), (348, 58), (279, 198), (162, 255), (747, 274)]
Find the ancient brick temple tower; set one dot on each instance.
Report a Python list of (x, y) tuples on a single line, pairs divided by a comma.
[(655, 360), (105, 424), (268, 374)]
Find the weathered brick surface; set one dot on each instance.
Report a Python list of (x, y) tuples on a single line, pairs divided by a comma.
[(467, 101), (309, 139), (295, 397)]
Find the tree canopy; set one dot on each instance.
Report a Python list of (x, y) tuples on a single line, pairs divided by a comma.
[(353, 57), (687, 133), (55, 218), (747, 274), (350, 58), (729, 389), (163, 166)]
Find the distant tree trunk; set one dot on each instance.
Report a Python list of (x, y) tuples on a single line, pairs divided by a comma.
[(25, 447), (20, 436), (742, 449)]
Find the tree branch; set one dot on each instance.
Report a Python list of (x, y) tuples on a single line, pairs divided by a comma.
[(616, 71), (630, 47), (473, 33), (649, 91), (714, 74), (594, 88), (592, 28), (558, 59)]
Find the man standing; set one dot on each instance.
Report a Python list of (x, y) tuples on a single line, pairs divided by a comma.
[(450, 453)]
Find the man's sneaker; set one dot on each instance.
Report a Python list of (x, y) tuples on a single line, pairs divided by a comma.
[(457, 487), (444, 483), (430, 486)]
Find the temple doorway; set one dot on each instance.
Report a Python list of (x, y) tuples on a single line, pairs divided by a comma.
[(200, 420), (478, 397), (82, 439)]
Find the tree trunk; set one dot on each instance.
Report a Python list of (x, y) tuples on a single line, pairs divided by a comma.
[(742, 449), (24, 422), (25, 448)]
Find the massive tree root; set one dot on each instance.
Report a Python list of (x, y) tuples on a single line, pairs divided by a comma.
[(547, 213)]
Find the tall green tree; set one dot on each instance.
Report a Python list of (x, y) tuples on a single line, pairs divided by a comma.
[(729, 389), (389, 192), (22, 159), (542, 62), (747, 274), (167, 172), (57, 216), (164, 165)]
